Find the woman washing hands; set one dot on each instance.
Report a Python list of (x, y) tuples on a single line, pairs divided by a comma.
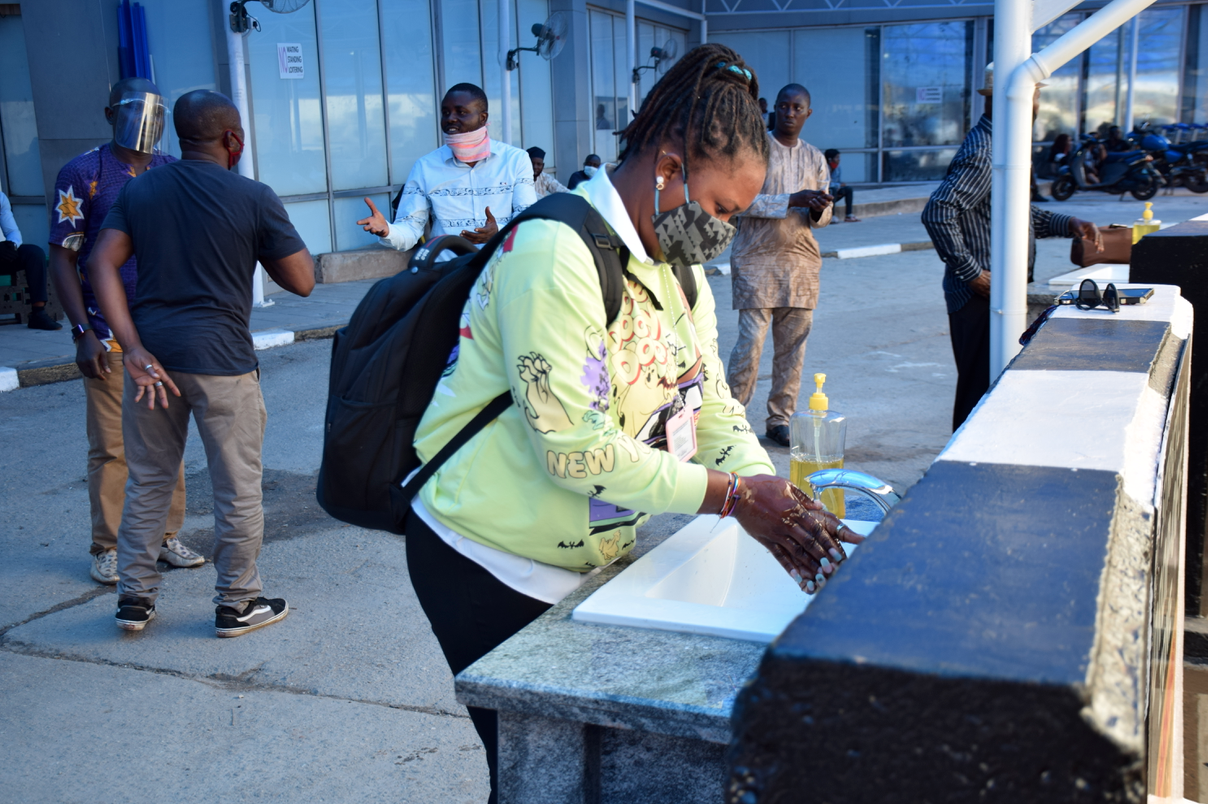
[(612, 421)]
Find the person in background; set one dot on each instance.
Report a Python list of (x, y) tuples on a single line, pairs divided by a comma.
[(590, 165), (763, 111), (775, 264), (613, 420), (602, 121), (1058, 155), (1116, 143), (86, 188), (455, 186), (18, 256), (198, 228), (957, 217), (543, 183), (837, 188)]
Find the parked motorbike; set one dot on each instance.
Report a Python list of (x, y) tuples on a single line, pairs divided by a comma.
[(1178, 163), (1121, 172)]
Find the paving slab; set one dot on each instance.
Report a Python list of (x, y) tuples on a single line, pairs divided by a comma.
[(355, 629), (82, 732)]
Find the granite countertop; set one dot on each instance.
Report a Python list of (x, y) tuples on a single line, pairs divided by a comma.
[(682, 685)]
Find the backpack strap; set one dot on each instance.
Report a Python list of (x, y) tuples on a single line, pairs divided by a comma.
[(687, 280), (490, 413)]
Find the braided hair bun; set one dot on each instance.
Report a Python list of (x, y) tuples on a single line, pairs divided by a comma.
[(709, 100)]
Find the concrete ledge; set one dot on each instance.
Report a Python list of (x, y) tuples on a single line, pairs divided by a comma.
[(269, 338), (351, 266), (1012, 631), (45, 372), (8, 379), (868, 251)]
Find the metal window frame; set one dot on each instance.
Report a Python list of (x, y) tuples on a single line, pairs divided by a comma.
[(331, 207)]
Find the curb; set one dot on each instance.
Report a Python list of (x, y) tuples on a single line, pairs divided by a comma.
[(62, 369), (723, 268)]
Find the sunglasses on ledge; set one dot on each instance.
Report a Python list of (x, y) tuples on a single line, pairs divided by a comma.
[(1089, 297)]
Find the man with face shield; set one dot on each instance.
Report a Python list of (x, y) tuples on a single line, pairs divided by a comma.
[(86, 188)]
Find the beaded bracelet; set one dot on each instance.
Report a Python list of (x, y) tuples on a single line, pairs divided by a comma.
[(731, 502)]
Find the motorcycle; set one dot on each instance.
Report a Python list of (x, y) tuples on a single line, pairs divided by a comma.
[(1177, 163), (1120, 172)]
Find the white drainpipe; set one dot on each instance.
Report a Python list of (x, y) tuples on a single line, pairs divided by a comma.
[(505, 44), (245, 166), (1010, 207), (631, 62)]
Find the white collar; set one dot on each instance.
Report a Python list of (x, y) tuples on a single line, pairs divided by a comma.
[(604, 197)]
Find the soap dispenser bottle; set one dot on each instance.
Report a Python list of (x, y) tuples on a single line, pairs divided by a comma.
[(818, 437), (1145, 224)]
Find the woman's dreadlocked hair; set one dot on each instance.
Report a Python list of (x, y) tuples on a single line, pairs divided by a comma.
[(709, 101)]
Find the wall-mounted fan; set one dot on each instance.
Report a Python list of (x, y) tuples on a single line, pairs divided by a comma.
[(662, 58), (551, 36), (241, 21)]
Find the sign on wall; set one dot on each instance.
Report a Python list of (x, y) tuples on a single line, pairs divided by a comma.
[(923, 94), (289, 60)]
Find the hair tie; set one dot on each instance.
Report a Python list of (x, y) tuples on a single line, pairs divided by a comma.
[(734, 68)]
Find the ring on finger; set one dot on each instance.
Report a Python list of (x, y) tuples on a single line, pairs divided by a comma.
[(148, 367), (159, 385)]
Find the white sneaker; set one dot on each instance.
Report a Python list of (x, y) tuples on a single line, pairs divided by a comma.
[(104, 567), (178, 555)]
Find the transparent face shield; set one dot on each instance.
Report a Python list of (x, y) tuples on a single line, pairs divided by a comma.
[(138, 121)]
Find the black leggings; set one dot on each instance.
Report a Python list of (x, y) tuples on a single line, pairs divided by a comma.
[(471, 613), (30, 259), (846, 194)]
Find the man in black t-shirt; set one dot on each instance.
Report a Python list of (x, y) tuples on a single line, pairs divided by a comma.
[(198, 230)]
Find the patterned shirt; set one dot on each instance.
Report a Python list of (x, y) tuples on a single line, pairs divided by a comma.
[(957, 218), (454, 196), (548, 185), (85, 190), (775, 261)]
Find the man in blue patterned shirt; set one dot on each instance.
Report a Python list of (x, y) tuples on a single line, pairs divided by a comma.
[(957, 218)]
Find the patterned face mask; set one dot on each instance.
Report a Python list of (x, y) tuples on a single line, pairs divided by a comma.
[(688, 235)]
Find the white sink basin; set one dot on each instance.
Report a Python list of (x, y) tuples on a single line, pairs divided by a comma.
[(708, 578)]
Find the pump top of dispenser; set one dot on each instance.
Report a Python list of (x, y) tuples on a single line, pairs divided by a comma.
[(1147, 215), (818, 400)]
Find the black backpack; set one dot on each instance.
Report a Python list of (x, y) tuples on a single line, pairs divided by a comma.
[(386, 362)]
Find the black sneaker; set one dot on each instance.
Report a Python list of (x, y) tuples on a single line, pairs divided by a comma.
[(779, 434), (133, 613), (230, 622), (38, 319)]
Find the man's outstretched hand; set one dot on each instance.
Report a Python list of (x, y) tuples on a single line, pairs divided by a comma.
[(482, 235), (150, 377), (1087, 231), (376, 223)]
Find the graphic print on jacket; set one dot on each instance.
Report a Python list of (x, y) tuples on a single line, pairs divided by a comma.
[(565, 475)]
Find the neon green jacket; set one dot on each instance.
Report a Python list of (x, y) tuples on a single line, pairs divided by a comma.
[(565, 475)]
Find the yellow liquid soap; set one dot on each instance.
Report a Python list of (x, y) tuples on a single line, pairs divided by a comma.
[(799, 472)]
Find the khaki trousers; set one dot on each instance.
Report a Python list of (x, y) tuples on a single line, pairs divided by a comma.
[(790, 328), (107, 461), (230, 417)]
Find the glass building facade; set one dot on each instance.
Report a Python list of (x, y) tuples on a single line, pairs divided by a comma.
[(895, 91)]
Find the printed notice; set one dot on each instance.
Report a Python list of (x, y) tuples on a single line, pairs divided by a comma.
[(929, 95), (289, 60)]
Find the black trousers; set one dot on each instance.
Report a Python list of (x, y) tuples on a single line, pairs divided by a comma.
[(471, 613), (30, 259), (844, 193), (969, 328)]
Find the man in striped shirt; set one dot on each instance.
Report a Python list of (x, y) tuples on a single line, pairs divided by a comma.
[(957, 218)]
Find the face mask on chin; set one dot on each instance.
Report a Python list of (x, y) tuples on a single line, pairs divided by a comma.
[(688, 235), (590, 170), (470, 146)]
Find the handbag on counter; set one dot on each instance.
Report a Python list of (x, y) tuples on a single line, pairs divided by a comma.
[(1117, 247)]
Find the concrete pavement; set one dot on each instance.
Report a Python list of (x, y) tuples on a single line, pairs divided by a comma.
[(348, 699)]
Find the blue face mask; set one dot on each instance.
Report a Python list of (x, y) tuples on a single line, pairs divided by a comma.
[(590, 170)]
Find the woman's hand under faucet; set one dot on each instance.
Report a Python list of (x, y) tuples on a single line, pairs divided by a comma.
[(803, 536)]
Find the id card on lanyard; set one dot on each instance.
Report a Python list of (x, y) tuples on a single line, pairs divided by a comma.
[(681, 435)]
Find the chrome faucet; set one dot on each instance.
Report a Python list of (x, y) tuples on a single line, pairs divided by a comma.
[(880, 491)]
